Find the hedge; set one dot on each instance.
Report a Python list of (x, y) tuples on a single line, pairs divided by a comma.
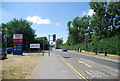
[(108, 45)]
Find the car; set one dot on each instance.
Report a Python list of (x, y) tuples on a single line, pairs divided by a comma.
[(64, 49), (3, 54)]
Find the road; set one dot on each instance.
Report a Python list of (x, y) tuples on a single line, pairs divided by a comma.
[(89, 67), (52, 67)]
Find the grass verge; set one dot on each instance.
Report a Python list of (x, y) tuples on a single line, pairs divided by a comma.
[(20, 67), (109, 56)]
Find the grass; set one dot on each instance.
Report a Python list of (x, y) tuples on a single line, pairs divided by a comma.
[(109, 56), (20, 67)]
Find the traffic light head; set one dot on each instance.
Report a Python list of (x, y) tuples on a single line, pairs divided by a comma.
[(54, 37)]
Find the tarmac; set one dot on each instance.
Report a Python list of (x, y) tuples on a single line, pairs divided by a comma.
[(52, 67)]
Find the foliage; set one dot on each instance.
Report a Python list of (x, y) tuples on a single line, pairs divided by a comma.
[(59, 42), (44, 44), (99, 32), (109, 45), (79, 30), (16, 26)]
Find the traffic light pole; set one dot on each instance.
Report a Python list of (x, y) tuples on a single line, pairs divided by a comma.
[(54, 39), (49, 44)]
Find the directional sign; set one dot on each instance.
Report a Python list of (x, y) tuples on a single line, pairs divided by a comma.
[(34, 45)]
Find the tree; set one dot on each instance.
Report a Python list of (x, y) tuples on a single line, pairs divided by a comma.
[(21, 26), (99, 19), (106, 18), (79, 30), (44, 44), (73, 28), (93, 33), (113, 15), (59, 42)]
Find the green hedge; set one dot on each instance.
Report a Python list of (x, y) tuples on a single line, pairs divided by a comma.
[(109, 45)]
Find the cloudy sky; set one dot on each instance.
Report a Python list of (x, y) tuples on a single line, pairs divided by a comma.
[(47, 17)]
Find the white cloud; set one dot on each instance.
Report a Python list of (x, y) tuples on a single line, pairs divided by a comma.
[(90, 12), (38, 20), (57, 24)]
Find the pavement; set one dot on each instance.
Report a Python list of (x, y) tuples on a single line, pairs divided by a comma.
[(52, 67)]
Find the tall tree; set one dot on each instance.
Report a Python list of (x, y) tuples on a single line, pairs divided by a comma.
[(113, 16), (73, 31), (99, 22), (21, 26), (106, 19)]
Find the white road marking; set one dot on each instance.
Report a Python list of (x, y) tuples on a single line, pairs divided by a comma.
[(64, 71), (97, 74), (84, 64), (93, 74), (100, 73)]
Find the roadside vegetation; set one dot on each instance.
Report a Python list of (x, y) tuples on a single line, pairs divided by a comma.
[(20, 26), (99, 33), (59, 42), (20, 67)]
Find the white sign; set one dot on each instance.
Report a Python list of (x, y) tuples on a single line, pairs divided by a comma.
[(17, 36), (34, 45)]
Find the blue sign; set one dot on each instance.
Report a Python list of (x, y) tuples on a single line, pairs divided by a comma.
[(17, 48)]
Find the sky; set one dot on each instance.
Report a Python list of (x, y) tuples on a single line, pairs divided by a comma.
[(47, 17)]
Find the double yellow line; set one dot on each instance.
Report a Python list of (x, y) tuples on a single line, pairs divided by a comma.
[(80, 74)]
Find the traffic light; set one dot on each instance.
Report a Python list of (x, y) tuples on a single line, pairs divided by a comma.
[(54, 37)]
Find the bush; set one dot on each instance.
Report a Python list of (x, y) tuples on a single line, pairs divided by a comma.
[(108, 45)]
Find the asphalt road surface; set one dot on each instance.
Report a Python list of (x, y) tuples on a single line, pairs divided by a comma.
[(89, 67)]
